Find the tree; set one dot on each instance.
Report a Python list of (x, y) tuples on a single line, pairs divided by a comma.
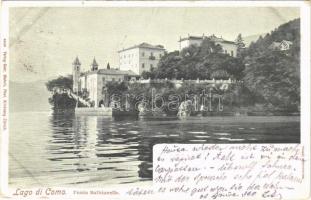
[(108, 66), (60, 82), (234, 67), (167, 66), (208, 47), (240, 45), (62, 101), (274, 76), (116, 88), (196, 62), (147, 75)]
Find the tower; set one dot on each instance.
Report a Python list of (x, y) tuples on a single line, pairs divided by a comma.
[(94, 65), (76, 74)]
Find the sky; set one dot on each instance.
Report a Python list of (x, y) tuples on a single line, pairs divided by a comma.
[(45, 41)]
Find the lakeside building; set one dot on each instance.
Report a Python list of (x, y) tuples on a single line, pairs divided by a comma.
[(133, 61), (93, 82), (229, 47), (139, 58)]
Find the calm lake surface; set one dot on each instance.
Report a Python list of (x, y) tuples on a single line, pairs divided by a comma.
[(94, 151)]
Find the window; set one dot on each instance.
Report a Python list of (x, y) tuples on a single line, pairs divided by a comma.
[(160, 55), (103, 79), (113, 79), (120, 80), (232, 53), (151, 53), (143, 54), (143, 65), (151, 66)]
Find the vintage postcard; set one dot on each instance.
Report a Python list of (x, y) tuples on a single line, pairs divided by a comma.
[(155, 100)]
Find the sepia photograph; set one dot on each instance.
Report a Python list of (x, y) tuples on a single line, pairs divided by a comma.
[(93, 89)]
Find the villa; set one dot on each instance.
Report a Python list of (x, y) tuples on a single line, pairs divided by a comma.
[(229, 47), (140, 58), (284, 45), (133, 61)]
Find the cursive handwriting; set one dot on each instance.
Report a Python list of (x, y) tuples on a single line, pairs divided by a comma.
[(222, 171)]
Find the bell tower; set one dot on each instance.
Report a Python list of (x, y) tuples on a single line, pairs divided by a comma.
[(76, 74), (94, 65)]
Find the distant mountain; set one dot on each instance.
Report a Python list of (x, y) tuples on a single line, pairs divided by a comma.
[(252, 38), (278, 34), (289, 31), (29, 96)]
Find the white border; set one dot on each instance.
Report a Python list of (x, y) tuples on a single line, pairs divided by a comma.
[(305, 88), (4, 134), (154, 3), (304, 68)]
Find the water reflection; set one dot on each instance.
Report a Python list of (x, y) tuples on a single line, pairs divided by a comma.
[(103, 149), (94, 143)]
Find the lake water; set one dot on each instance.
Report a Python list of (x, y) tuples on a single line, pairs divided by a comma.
[(94, 151)]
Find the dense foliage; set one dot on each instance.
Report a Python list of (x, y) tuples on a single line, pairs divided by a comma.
[(61, 101), (275, 75), (60, 82), (289, 31), (198, 62), (271, 77)]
